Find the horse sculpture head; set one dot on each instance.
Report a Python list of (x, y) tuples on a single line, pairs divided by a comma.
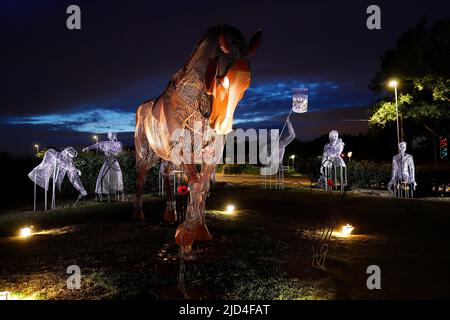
[(221, 62)]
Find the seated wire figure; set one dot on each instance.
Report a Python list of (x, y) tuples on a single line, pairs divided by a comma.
[(283, 143), (55, 165), (332, 161), (403, 179), (109, 179)]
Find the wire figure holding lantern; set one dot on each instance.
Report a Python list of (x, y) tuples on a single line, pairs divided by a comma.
[(299, 105)]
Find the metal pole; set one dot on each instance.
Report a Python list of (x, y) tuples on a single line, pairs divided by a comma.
[(34, 191), (53, 188), (46, 188), (290, 112), (396, 110)]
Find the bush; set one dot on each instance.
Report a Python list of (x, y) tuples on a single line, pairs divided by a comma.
[(241, 169), (368, 175), (432, 181), (90, 164), (289, 172)]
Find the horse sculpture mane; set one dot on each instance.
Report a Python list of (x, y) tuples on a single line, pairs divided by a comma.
[(203, 94)]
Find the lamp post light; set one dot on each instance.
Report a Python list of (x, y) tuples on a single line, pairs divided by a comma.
[(96, 141), (293, 161), (393, 84), (349, 155), (37, 149)]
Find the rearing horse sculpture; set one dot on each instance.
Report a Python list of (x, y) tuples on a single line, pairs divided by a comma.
[(206, 91)]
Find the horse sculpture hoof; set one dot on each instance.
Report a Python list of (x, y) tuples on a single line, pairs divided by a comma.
[(185, 237), (203, 233), (138, 215), (169, 216)]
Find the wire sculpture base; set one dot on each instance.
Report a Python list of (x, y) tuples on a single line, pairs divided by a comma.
[(333, 176), (403, 189), (274, 181)]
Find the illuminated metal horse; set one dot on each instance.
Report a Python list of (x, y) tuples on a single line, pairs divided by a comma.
[(200, 99)]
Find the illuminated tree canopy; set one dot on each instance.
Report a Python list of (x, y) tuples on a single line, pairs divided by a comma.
[(420, 62)]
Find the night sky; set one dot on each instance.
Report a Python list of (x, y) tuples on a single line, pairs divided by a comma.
[(59, 87)]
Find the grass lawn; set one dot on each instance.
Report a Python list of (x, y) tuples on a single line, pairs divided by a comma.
[(263, 251)]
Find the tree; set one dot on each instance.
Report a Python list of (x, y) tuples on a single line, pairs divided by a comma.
[(420, 60)]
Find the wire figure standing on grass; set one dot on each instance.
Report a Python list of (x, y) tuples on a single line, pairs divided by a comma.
[(55, 165), (109, 179), (403, 179), (283, 143)]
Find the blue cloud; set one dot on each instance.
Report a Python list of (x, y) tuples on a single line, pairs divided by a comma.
[(95, 120), (265, 102), (263, 105)]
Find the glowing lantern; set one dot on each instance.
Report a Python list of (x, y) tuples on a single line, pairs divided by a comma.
[(347, 230)]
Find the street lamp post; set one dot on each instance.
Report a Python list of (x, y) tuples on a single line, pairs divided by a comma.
[(393, 84), (349, 155), (96, 141), (293, 161), (37, 149)]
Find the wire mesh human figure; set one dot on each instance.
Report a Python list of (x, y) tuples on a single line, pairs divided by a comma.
[(403, 172), (55, 165), (283, 143), (109, 179), (332, 157), (286, 141)]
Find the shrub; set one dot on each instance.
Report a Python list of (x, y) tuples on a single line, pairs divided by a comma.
[(90, 164), (241, 169), (368, 174)]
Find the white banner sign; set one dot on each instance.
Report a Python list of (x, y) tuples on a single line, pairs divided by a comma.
[(300, 100)]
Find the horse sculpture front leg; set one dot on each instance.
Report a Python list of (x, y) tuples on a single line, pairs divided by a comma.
[(170, 213), (142, 165), (207, 171), (194, 226)]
